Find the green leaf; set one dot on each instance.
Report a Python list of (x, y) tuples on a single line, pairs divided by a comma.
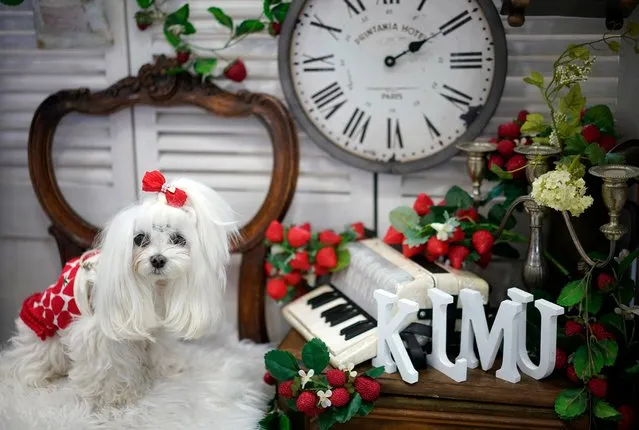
[(633, 370), (365, 409), (459, 198), (189, 29), (595, 154), (609, 350), (534, 124), (285, 422), (604, 410), (174, 40), (535, 79), (612, 320), (514, 189), (249, 26), (573, 102), (375, 372), (143, 4), (578, 52), (350, 410), (221, 17), (627, 261), (614, 158), (601, 116), (343, 259), (281, 364), (571, 403), (280, 11), (503, 249), (581, 363), (403, 218), (595, 300), (12, 2), (205, 66), (266, 9), (182, 14), (497, 213), (415, 237), (633, 28), (265, 423), (614, 46), (326, 420), (315, 355), (575, 145), (496, 191), (572, 293), (501, 173)]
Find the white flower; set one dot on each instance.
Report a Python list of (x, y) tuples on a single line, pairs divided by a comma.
[(175, 29), (349, 368), (324, 398), (445, 230), (553, 139), (627, 312), (306, 377), (558, 190), (622, 255)]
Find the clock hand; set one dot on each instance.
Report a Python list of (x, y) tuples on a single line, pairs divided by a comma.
[(412, 47)]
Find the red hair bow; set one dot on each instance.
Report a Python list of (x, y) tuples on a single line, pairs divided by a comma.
[(155, 182)]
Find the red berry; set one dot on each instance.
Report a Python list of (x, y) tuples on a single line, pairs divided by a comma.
[(495, 160), (516, 165), (236, 71), (336, 378), (276, 288), (182, 57), (561, 358), (285, 389), (484, 259), (292, 278), (320, 270), (367, 388), (274, 232), (436, 248), (269, 269), (300, 261), (340, 397), (358, 228), (306, 402), (509, 130), (143, 20), (607, 142), (457, 254), (422, 204), (268, 378), (598, 387), (482, 241), (506, 148), (571, 374), (274, 28), (442, 203), (393, 237), (298, 237), (329, 237), (306, 226), (467, 213), (411, 251), (627, 418), (591, 133), (573, 328), (605, 281), (599, 331), (457, 236), (521, 116), (326, 257)]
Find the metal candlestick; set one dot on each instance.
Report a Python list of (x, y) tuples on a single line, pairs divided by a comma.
[(476, 164)]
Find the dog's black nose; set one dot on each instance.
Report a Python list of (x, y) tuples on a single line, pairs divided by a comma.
[(158, 261)]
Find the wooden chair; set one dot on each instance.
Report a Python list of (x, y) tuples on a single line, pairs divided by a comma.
[(155, 86)]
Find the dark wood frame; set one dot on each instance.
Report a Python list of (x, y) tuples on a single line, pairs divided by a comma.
[(155, 85)]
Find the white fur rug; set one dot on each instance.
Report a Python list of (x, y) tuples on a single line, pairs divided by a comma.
[(223, 389)]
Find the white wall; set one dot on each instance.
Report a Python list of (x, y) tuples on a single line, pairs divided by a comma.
[(99, 161)]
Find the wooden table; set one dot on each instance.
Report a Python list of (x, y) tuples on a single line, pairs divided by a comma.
[(437, 402)]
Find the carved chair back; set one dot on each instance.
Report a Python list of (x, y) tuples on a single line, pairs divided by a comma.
[(155, 85)]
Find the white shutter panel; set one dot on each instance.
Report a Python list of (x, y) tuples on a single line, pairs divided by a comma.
[(535, 46), (93, 155)]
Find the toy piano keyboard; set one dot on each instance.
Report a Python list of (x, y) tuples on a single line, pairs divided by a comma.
[(344, 313)]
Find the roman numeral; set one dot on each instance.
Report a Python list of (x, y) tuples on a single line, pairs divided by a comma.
[(421, 5), (356, 8), (466, 60), (323, 63), (329, 99), (456, 97), (455, 23), (393, 134), (357, 125), (331, 30), (432, 130), (389, 1)]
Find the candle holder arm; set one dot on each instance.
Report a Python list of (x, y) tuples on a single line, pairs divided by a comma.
[(509, 212), (580, 249)]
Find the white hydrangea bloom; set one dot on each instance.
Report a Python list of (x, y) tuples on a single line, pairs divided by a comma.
[(558, 190), (553, 139)]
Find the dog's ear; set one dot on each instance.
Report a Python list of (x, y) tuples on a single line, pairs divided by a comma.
[(202, 299), (123, 308)]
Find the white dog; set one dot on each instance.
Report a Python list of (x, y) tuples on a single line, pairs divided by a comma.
[(157, 274)]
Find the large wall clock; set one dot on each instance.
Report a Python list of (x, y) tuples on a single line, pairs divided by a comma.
[(391, 85)]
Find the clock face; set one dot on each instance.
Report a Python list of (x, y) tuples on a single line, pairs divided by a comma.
[(392, 85)]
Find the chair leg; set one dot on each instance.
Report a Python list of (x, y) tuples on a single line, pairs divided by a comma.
[(251, 316)]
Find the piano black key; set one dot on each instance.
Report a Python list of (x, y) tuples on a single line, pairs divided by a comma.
[(334, 309), (322, 299), (356, 329), (344, 316)]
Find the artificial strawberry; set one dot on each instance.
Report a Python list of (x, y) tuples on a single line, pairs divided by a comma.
[(326, 257), (591, 133), (573, 328), (607, 142), (506, 148), (561, 358), (411, 251), (306, 226), (627, 420), (269, 269), (457, 254), (274, 232), (484, 259), (274, 28), (182, 57), (468, 214), (494, 140), (367, 388), (521, 116), (143, 20), (509, 130), (495, 160), (442, 203), (300, 261), (320, 270), (285, 389), (298, 237), (515, 165), (393, 237), (358, 228), (276, 288), (235, 71), (292, 278), (336, 377), (482, 241), (571, 374), (422, 204), (340, 397), (605, 281), (306, 402), (457, 236), (436, 248), (329, 237), (598, 387), (599, 331), (268, 378)]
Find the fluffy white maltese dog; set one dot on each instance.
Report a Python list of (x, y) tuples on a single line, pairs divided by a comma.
[(112, 321)]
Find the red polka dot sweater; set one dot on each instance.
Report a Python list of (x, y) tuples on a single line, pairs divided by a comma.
[(53, 309)]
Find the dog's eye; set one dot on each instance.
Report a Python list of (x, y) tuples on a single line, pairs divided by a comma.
[(141, 240), (178, 239)]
